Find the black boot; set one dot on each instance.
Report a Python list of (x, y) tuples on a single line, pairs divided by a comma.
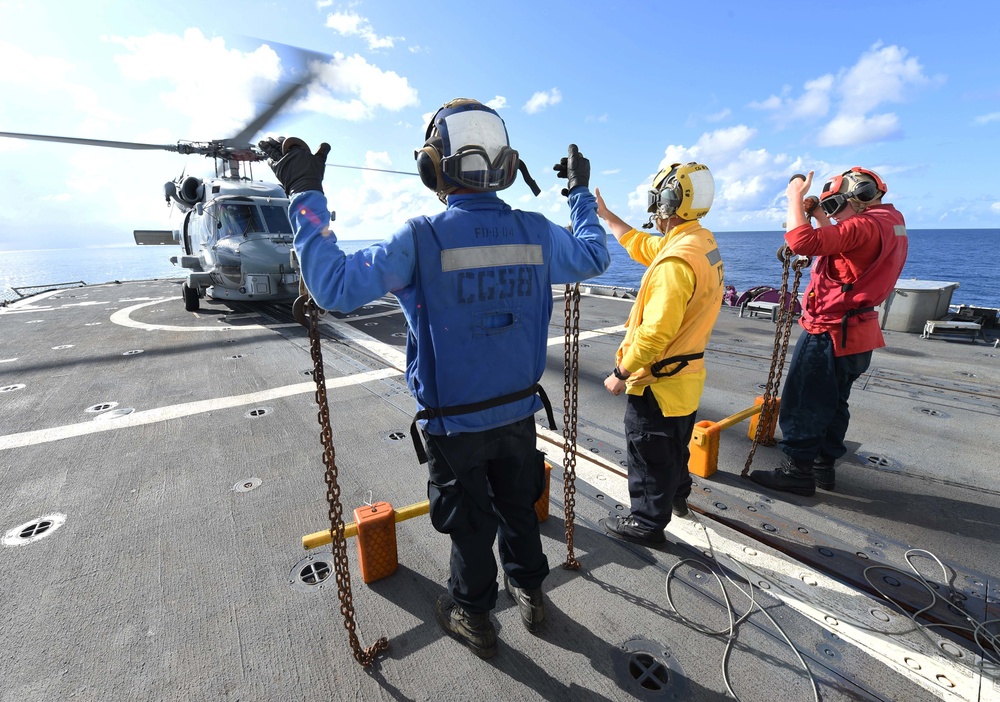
[(629, 528), (474, 629), (529, 604), (791, 476), (679, 507), (823, 471)]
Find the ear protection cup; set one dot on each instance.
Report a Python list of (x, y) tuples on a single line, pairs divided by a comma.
[(429, 164)]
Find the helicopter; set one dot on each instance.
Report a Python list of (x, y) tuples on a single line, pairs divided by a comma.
[(234, 232)]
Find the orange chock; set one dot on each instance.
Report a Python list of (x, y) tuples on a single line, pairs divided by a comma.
[(768, 437), (542, 506), (704, 448), (377, 555)]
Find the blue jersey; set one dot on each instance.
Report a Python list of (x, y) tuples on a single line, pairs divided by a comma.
[(474, 283)]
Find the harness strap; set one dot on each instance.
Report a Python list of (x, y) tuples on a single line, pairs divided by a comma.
[(843, 322), (682, 360), (441, 412)]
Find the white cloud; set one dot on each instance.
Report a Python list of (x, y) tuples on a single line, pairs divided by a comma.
[(995, 207), (179, 61), (600, 119), (986, 119), (381, 203), (851, 130), (350, 24), (719, 116), (540, 100), (815, 102), (881, 75), (350, 88), (497, 103)]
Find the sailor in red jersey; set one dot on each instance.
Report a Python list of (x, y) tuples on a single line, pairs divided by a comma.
[(856, 264)]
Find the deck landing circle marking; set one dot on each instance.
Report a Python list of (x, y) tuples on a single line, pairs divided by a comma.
[(123, 318), (32, 531)]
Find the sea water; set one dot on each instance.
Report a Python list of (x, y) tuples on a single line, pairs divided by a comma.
[(968, 257)]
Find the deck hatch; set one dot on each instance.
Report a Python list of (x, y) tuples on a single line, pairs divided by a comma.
[(648, 671), (311, 572), (101, 407), (247, 485), (32, 531)]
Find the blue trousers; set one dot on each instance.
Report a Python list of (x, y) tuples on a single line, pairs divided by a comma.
[(657, 458), (814, 413), (483, 486)]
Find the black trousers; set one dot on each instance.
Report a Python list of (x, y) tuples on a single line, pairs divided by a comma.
[(657, 458), (814, 411), (484, 486)]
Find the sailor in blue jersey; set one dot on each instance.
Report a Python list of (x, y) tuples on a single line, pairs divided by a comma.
[(474, 283)]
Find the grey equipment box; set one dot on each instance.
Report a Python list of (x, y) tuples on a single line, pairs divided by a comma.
[(914, 302)]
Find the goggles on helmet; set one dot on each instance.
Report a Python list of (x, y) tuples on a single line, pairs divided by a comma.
[(475, 152), (472, 168), (832, 200), (833, 203)]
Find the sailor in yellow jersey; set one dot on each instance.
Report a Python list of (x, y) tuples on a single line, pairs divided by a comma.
[(660, 365)]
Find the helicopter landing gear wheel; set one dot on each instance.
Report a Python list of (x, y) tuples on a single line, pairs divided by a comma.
[(299, 310), (191, 301)]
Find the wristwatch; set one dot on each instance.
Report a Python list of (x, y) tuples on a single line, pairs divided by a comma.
[(619, 375)]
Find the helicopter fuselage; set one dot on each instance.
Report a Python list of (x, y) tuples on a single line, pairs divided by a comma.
[(236, 237)]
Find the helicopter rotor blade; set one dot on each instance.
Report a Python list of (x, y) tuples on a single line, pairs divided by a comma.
[(282, 96), (93, 142)]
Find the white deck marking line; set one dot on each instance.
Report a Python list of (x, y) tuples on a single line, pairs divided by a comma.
[(7, 360), (845, 604), (617, 329), (123, 318), (161, 414), (374, 315), (387, 353)]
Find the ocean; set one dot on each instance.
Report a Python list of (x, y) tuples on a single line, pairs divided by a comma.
[(968, 257)]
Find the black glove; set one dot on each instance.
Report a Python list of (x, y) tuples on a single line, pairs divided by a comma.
[(297, 168), (575, 168)]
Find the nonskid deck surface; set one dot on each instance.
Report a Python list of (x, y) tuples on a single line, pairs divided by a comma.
[(176, 457)]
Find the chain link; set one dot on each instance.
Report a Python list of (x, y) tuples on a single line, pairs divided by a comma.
[(571, 352), (364, 656), (782, 331)]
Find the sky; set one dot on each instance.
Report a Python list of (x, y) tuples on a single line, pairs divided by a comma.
[(756, 91)]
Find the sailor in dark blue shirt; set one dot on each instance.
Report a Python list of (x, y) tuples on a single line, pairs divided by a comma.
[(474, 283)]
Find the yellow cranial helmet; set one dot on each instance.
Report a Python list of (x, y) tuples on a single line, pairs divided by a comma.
[(686, 190)]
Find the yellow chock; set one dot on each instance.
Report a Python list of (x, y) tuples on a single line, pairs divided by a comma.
[(375, 527), (704, 448), (704, 444), (322, 538)]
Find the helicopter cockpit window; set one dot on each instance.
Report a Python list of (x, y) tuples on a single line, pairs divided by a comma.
[(277, 219), (239, 220)]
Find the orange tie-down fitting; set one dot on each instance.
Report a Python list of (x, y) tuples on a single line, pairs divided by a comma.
[(704, 445), (375, 527)]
